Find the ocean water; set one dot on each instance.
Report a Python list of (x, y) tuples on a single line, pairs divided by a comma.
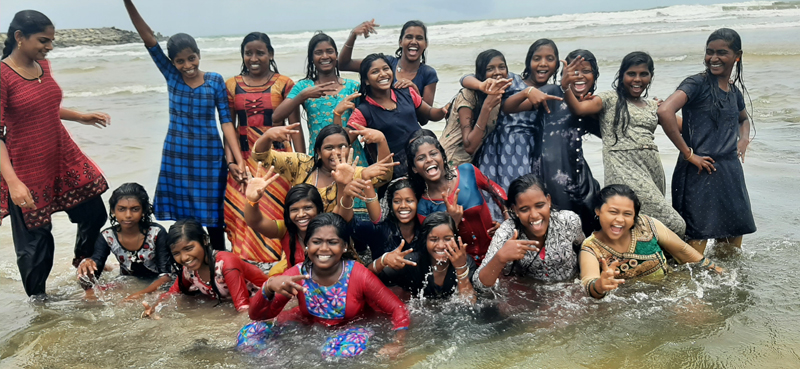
[(748, 318)]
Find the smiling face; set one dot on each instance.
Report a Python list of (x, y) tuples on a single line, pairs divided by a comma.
[(438, 239), (256, 57), (325, 248), (332, 147), (636, 80), (37, 45), (616, 216), (325, 57), (128, 212), (543, 64), (413, 43), (719, 58), (428, 162), (189, 254), (404, 205), (188, 63), (584, 80), (380, 76), (497, 68), (301, 212), (532, 208)]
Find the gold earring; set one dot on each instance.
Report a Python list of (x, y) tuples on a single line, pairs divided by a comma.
[(19, 45)]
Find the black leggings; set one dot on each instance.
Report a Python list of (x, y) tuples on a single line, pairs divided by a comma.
[(35, 248)]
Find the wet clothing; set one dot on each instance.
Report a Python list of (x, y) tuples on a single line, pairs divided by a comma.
[(714, 205), (426, 75), (382, 237), (341, 303), (644, 257), (152, 259), (631, 158), (477, 220), (419, 280), (286, 253), (191, 183), (452, 139)]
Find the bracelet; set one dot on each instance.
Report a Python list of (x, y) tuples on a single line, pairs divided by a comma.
[(253, 203), (336, 114), (341, 202), (564, 90), (374, 267), (232, 162), (478, 126), (691, 153), (463, 275), (528, 92), (264, 291), (459, 268), (346, 45), (383, 259), (594, 287), (370, 200), (708, 264)]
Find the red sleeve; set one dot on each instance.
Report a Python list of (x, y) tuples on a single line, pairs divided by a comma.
[(357, 118), (415, 97), (379, 297), (288, 88), (235, 272), (263, 309), (176, 287), (3, 105), (486, 184)]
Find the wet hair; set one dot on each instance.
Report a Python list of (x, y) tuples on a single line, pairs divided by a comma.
[(179, 42), (259, 36), (300, 192), (338, 223), (189, 230), (589, 58), (481, 63), (519, 186), (394, 186), (132, 191), (621, 115), (417, 139), (407, 25), (27, 22), (434, 220), (324, 133), (363, 71), (734, 42), (618, 190), (531, 50), (311, 69)]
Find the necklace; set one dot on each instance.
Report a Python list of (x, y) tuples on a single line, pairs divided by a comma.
[(435, 268), (431, 198), (19, 70)]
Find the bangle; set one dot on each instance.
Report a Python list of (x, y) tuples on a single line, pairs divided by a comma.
[(564, 90), (232, 162), (691, 153), (374, 267), (528, 92), (346, 45), (463, 275), (341, 202), (336, 114), (371, 199), (383, 259), (264, 291), (253, 203), (465, 265), (478, 126)]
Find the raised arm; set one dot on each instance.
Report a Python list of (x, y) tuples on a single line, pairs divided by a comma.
[(346, 62), (583, 105), (147, 34), (256, 186), (669, 122)]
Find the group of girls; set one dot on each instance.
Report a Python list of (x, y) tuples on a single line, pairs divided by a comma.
[(376, 201)]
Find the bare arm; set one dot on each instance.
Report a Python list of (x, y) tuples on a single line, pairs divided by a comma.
[(298, 140), (669, 122), (744, 134), (431, 113), (147, 34), (346, 62)]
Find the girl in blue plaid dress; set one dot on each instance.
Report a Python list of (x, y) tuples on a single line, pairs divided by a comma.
[(191, 183)]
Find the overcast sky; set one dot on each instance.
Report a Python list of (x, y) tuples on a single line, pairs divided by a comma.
[(233, 17)]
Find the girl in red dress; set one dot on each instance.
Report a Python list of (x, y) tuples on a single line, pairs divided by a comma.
[(42, 170)]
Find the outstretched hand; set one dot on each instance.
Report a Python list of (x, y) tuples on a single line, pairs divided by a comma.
[(608, 281), (258, 184), (366, 28), (281, 133), (345, 168), (396, 259), (456, 253), (97, 119)]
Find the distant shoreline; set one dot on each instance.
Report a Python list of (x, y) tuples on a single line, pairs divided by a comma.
[(94, 37)]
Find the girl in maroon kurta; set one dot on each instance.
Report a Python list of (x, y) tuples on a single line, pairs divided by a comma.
[(43, 170), (331, 289)]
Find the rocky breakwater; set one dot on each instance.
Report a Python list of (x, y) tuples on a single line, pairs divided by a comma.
[(93, 37)]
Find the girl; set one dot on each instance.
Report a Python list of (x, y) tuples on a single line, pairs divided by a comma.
[(513, 147), (474, 113), (562, 167), (332, 288), (456, 191), (716, 130), (408, 65), (439, 269), (537, 241), (191, 183), (138, 244), (217, 274), (629, 245), (388, 109), (627, 122), (253, 95), (42, 170), (331, 146)]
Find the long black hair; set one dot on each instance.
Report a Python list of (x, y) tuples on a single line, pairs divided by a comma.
[(363, 72), (259, 36), (481, 63), (132, 191), (621, 114), (27, 22), (531, 50), (519, 186), (329, 130), (409, 24), (179, 42), (299, 192), (337, 222), (394, 186), (589, 58), (189, 230), (417, 139), (311, 69), (734, 42), (619, 190)]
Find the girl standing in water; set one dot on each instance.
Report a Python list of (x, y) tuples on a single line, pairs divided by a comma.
[(715, 134), (42, 170), (253, 97), (627, 122), (191, 183)]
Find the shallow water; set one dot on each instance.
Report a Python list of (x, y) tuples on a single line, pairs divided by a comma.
[(747, 318)]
